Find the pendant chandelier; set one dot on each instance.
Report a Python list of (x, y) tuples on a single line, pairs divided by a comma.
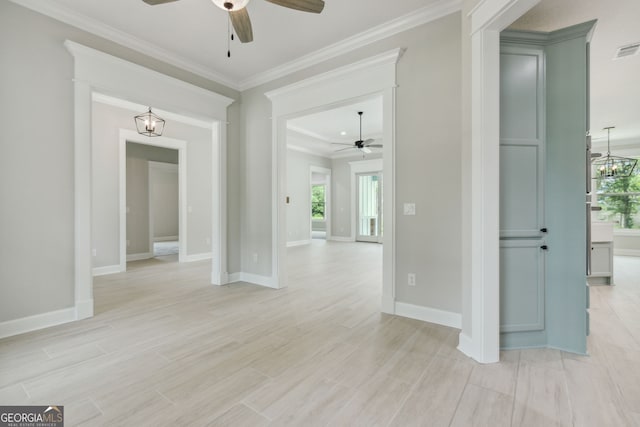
[(613, 166), (149, 124)]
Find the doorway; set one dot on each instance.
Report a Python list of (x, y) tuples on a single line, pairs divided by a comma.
[(369, 207), (320, 190), (164, 194)]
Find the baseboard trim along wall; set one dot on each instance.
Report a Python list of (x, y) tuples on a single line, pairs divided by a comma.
[(465, 344), (198, 257), (431, 315), (626, 252), (139, 257), (107, 269), (341, 239), (38, 321), (299, 243), (255, 279)]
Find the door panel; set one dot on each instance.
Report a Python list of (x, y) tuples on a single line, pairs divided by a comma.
[(521, 285)]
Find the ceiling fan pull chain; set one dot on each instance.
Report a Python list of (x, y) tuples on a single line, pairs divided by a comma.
[(229, 37)]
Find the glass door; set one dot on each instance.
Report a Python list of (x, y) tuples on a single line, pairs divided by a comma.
[(369, 207)]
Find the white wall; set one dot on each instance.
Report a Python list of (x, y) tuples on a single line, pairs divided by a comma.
[(299, 192), (107, 121), (428, 163)]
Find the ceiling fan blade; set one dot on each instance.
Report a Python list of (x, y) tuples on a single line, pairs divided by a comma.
[(242, 24), (342, 149), (368, 141), (366, 150), (375, 145), (156, 2), (341, 143), (313, 6)]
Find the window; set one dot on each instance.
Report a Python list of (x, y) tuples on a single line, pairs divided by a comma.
[(620, 201), (318, 201)]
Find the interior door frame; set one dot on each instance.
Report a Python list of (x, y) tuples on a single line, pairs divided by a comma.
[(327, 199), (378, 237)]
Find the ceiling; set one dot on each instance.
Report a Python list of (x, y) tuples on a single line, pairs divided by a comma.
[(315, 133), (615, 93), (193, 33)]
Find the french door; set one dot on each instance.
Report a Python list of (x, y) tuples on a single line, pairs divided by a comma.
[(369, 207)]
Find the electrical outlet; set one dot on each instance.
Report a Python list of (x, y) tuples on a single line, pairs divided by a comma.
[(208, 241), (255, 257), (411, 279), (409, 208), (94, 252), (128, 243)]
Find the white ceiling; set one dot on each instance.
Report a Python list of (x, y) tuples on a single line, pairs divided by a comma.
[(316, 133), (615, 92), (193, 33)]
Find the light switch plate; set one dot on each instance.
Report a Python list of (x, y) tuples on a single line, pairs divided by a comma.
[(409, 208)]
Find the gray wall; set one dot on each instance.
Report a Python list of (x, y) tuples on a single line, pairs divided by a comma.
[(428, 125), (137, 208), (107, 121), (299, 192), (341, 193), (163, 195)]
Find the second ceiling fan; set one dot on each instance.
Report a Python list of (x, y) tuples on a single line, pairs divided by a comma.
[(240, 17), (364, 146)]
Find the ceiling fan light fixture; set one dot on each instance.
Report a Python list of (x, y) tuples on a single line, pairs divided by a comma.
[(230, 5), (613, 166)]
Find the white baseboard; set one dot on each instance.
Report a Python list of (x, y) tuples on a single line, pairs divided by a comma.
[(465, 345), (387, 305), (84, 309), (197, 257), (38, 321), (139, 257), (256, 279), (626, 252), (431, 315), (108, 269), (341, 239), (165, 239), (299, 243)]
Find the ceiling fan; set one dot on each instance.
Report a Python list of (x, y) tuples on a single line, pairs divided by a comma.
[(361, 145), (240, 17)]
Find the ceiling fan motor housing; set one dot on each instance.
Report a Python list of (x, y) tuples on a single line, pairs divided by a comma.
[(230, 5)]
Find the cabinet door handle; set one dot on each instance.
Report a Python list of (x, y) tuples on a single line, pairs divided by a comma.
[(544, 247), (543, 230)]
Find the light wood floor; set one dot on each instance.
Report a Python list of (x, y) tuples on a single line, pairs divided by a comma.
[(167, 348)]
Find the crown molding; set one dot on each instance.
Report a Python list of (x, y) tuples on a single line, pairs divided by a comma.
[(414, 19), (83, 22)]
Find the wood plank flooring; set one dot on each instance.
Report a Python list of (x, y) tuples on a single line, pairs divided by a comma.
[(165, 348)]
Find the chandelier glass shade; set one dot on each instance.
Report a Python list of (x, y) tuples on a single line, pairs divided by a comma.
[(149, 124), (613, 166)]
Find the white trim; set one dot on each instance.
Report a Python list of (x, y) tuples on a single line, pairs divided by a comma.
[(341, 239), (138, 108), (63, 14), (626, 252), (327, 199), (107, 269), (165, 239), (139, 257), (360, 166), (488, 18), (126, 135), (38, 321), (465, 344), (626, 232), (427, 314), (198, 257), (253, 279), (298, 243), (413, 19), (96, 71), (341, 86)]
